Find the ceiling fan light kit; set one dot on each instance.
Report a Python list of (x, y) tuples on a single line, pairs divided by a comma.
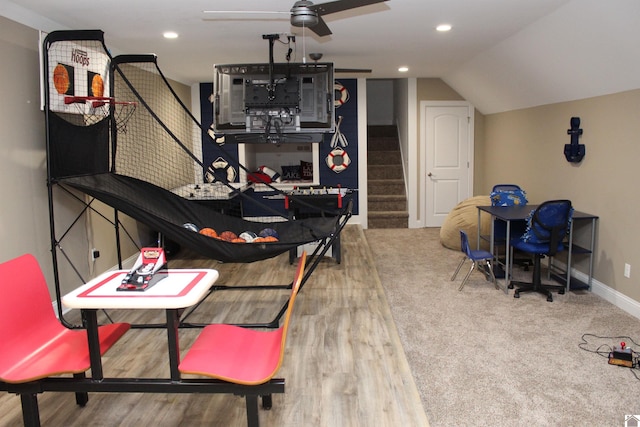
[(302, 15)]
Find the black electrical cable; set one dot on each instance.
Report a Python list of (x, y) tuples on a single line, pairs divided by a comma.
[(605, 353)]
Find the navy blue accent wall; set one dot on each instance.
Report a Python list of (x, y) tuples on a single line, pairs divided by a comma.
[(348, 178), (210, 150), (328, 178)]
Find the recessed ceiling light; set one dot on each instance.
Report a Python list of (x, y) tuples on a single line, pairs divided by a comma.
[(170, 35), (443, 27), (403, 69)]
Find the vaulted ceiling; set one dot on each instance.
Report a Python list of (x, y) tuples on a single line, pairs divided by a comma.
[(500, 54)]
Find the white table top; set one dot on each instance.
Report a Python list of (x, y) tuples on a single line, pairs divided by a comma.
[(180, 289)]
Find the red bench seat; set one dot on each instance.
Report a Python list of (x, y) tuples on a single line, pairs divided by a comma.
[(35, 345)]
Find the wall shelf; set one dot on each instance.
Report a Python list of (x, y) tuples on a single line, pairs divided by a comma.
[(275, 156)]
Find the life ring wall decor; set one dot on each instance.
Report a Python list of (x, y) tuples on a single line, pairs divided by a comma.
[(220, 170), (340, 94), (338, 160), (217, 138)]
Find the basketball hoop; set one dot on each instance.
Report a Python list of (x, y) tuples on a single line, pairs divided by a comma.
[(96, 108)]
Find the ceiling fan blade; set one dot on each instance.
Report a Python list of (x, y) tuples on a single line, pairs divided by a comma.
[(341, 5), (246, 12), (321, 28)]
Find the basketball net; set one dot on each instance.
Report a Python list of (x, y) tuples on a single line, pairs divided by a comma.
[(96, 109)]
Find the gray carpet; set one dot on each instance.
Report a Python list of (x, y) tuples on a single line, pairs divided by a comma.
[(483, 358)]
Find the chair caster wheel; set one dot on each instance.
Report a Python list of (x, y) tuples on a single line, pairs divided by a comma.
[(561, 291), (516, 294), (510, 286), (550, 298)]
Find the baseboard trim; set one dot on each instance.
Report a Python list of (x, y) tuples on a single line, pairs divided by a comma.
[(609, 294)]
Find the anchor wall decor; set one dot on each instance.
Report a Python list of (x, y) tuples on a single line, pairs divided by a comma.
[(574, 152)]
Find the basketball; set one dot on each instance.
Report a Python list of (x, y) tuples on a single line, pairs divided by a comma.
[(248, 236), (190, 226), (207, 231), (97, 85), (266, 239), (228, 236), (61, 79), (268, 232)]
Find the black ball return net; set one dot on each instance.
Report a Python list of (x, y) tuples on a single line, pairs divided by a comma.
[(118, 132)]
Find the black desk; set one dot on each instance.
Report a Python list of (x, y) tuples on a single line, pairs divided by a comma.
[(519, 213)]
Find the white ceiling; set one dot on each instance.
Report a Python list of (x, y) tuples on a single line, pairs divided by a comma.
[(500, 54)]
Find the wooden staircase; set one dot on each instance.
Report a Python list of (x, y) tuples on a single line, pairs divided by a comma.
[(387, 199)]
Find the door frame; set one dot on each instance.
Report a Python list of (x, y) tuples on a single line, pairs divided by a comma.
[(422, 172)]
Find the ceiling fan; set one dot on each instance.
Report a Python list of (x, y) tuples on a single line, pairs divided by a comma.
[(308, 15)]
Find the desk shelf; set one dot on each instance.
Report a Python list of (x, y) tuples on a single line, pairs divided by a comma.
[(574, 284), (572, 249), (576, 249)]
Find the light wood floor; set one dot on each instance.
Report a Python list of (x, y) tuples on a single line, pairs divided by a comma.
[(344, 364)]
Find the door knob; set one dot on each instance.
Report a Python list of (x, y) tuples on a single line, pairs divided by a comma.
[(430, 175)]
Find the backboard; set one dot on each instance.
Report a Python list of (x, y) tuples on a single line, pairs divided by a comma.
[(76, 69)]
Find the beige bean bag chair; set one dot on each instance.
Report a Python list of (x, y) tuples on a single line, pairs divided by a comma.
[(464, 216)]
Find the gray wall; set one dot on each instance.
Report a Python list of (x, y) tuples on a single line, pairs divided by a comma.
[(380, 102), (25, 214), (25, 217), (526, 147)]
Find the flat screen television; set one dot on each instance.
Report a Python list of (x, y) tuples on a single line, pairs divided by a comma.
[(279, 102)]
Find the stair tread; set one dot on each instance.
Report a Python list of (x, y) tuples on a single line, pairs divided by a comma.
[(393, 214), (385, 197), (386, 181), (387, 200)]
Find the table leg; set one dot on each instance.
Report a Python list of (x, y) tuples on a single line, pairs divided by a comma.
[(569, 253), (173, 322), (507, 256), (492, 237), (479, 228), (592, 248), (90, 321)]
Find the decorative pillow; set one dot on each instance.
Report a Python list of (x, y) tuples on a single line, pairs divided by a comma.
[(306, 170), (290, 173)]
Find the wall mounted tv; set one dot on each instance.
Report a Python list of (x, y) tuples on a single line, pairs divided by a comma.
[(278, 102)]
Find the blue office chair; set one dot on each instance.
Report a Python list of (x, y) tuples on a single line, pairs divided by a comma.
[(475, 257), (507, 195), (546, 230)]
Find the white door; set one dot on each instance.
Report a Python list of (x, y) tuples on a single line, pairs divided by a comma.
[(449, 149)]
